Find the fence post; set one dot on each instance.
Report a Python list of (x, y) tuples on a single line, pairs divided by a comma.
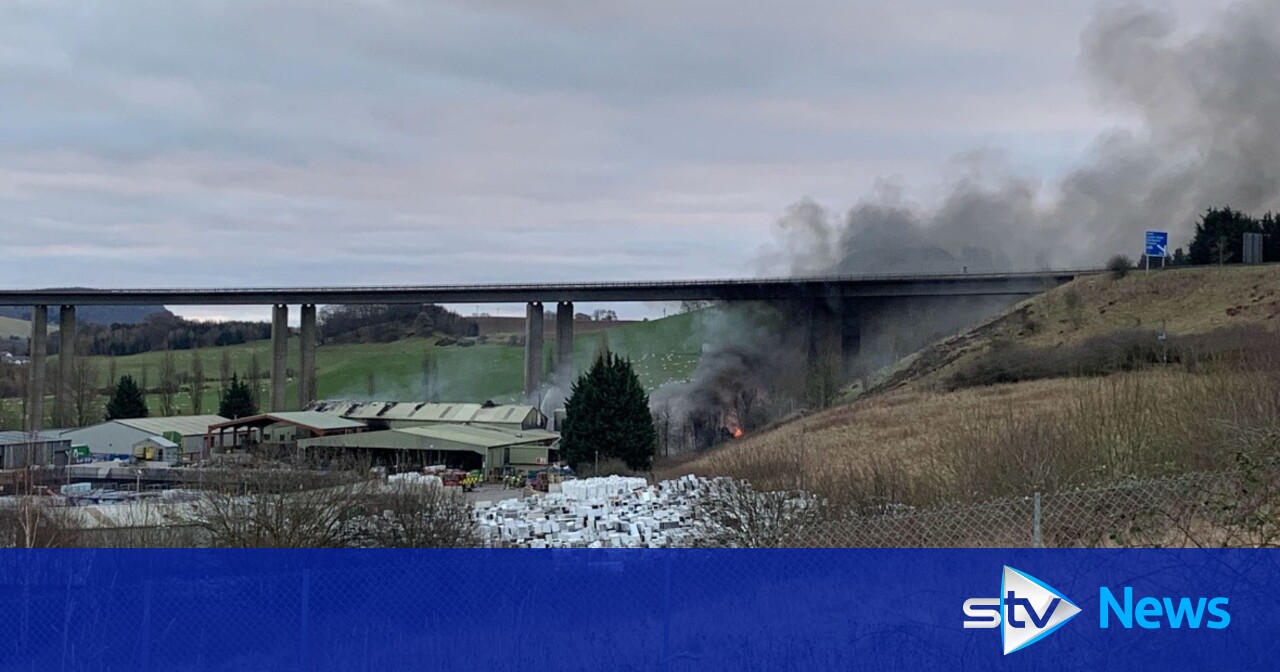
[(146, 626), (304, 650), (666, 613), (1035, 522)]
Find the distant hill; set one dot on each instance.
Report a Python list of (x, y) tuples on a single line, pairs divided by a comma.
[(104, 315)]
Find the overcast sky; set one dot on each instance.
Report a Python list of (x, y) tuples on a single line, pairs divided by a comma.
[(413, 141)]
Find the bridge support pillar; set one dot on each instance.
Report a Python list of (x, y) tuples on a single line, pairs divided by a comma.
[(564, 344), (307, 355), (532, 349), (279, 355), (35, 370), (826, 350), (64, 408)]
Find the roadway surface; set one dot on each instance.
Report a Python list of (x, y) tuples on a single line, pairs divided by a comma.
[(746, 289)]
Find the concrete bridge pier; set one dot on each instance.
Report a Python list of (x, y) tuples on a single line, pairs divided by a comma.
[(307, 355), (35, 371), (65, 408), (279, 355), (532, 349), (826, 369), (564, 344)]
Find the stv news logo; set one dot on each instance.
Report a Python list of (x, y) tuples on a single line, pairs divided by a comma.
[(1027, 610)]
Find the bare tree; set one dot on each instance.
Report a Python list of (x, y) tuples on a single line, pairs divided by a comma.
[(733, 514), (197, 382), (31, 520), (111, 373), (168, 384), (255, 379), (430, 378), (419, 515), (280, 509), (662, 422), (224, 372), (298, 508), (86, 396)]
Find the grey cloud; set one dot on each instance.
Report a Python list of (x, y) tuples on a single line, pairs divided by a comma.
[(396, 140)]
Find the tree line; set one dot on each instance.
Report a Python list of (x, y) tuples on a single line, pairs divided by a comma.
[(163, 331), (339, 324), (1219, 237), (387, 323)]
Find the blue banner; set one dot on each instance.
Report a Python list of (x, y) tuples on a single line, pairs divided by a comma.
[(640, 610)]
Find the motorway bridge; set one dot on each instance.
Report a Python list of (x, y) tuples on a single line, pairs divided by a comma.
[(828, 299)]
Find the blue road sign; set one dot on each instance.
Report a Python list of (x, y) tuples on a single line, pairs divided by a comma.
[(1157, 243)]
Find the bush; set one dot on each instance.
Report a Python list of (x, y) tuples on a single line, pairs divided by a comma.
[(1125, 350), (1119, 265)]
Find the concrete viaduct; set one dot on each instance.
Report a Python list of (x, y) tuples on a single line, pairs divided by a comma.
[(819, 293)]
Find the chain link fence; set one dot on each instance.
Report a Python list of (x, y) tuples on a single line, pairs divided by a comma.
[(1224, 509), (1238, 508)]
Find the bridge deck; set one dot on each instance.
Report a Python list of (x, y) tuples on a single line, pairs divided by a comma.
[(742, 289)]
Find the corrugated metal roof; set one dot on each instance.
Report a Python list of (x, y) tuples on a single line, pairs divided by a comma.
[(503, 415), (160, 441), (315, 420), (186, 425), (16, 437), (446, 412), (488, 437), (506, 414)]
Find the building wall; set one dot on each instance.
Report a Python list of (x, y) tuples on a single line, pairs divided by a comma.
[(113, 438), (159, 452), (19, 455), (107, 438), (522, 457)]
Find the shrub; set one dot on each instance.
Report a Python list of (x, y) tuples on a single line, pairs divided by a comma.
[(1119, 265), (1124, 350)]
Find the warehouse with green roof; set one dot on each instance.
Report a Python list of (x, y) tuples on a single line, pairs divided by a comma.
[(491, 449)]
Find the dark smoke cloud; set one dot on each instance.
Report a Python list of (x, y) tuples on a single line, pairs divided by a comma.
[(1208, 112), (1208, 134)]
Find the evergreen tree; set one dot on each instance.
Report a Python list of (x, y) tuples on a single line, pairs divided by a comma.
[(1219, 236), (608, 411), (237, 401), (126, 400)]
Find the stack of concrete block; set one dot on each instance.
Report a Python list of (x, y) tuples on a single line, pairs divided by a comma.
[(593, 489), (609, 512), (414, 478)]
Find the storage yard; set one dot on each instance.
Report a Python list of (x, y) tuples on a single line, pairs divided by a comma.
[(611, 512)]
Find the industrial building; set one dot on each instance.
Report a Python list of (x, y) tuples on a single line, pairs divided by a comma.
[(24, 449), (281, 430), (118, 438), (490, 449), (379, 415)]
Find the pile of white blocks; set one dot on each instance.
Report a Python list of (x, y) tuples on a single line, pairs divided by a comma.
[(414, 478), (613, 512), (599, 489)]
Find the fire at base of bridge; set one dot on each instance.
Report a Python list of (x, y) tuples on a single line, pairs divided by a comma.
[(766, 362)]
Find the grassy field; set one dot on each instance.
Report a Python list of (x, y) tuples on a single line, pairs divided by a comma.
[(662, 350), (12, 327)]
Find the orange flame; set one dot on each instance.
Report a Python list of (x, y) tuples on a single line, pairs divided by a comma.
[(736, 432)]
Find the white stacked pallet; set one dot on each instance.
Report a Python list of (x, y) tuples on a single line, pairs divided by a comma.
[(613, 512)]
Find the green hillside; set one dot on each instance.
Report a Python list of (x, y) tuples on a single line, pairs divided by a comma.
[(663, 350), (11, 327)]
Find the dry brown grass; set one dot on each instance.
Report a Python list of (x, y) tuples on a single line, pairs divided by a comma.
[(1184, 301), (921, 447)]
